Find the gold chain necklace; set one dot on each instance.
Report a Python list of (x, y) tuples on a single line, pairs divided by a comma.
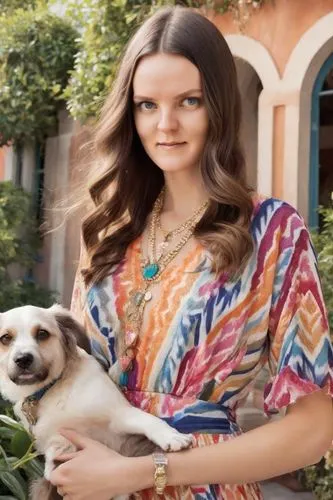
[(188, 226), (169, 235), (151, 273)]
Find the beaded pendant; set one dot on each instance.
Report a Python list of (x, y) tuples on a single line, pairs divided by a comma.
[(126, 359)]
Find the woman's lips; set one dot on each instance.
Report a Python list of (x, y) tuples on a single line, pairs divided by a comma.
[(170, 145)]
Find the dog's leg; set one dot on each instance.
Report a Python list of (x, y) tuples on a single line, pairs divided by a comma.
[(131, 420), (56, 445)]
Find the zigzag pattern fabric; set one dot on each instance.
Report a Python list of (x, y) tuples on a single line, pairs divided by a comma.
[(205, 338)]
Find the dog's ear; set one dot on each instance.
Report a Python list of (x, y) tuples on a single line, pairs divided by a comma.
[(73, 332)]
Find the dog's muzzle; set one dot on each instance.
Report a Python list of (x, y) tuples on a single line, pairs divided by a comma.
[(26, 369), (24, 361)]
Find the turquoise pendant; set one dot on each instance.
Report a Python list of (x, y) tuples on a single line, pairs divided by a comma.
[(150, 271)]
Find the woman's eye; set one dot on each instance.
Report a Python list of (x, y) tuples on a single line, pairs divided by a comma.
[(146, 105), (6, 339), (191, 101), (42, 335)]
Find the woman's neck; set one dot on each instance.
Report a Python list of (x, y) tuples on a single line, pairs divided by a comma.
[(183, 194)]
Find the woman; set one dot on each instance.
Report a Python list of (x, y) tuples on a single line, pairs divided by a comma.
[(190, 282)]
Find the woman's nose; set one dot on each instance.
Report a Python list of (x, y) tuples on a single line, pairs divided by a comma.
[(167, 120)]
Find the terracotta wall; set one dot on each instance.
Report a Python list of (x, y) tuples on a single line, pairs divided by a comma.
[(278, 26)]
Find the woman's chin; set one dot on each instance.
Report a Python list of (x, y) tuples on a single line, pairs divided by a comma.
[(173, 168)]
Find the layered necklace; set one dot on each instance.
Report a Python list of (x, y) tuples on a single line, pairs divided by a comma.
[(152, 269)]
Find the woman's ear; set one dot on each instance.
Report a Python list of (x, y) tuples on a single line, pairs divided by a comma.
[(73, 332)]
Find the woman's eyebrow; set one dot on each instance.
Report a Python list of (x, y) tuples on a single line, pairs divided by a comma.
[(146, 98)]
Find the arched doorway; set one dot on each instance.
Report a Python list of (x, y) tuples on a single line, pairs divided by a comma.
[(321, 142), (250, 87), (257, 73), (303, 79)]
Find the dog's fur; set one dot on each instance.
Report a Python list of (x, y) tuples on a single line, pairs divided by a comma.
[(83, 398)]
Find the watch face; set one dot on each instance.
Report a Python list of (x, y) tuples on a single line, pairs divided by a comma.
[(160, 458)]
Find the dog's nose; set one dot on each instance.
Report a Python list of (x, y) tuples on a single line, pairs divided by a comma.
[(24, 360)]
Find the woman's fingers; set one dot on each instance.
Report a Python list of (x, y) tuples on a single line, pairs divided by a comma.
[(64, 457), (79, 440), (60, 491)]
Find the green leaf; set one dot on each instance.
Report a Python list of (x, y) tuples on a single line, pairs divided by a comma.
[(14, 485), (6, 433), (20, 444), (34, 468), (11, 422)]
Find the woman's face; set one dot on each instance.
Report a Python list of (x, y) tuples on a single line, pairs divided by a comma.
[(170, 116)]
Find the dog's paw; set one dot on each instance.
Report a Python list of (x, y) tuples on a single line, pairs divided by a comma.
[(172, 440), (49, 468)]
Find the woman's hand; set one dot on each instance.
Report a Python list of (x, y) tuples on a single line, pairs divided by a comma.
[(93, 472)]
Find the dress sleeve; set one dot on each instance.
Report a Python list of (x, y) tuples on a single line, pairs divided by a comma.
[(81, 311), (300, 349)]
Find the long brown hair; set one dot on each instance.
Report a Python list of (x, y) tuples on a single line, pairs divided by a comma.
[(125, 193)]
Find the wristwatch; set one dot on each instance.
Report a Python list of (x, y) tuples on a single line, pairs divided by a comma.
[(160, 474)]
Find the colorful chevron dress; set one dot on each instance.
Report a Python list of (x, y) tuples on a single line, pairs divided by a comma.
[(208, 337)]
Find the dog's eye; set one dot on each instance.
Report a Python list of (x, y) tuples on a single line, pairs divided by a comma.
[(6, 339), (42, 335)]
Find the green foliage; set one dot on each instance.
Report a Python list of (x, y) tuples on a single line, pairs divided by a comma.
[(319, 477), (8, 6), (36, 52), (19, 243), (19, 463), (323, 243)]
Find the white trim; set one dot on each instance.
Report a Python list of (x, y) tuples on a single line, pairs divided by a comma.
[(290, 153), (306, 49), (255, 54), (265, 146), (300, 73)]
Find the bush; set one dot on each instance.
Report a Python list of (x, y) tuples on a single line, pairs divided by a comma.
[(19, 244), (36, 53), (323, 243), (319, 477), (9, 6)]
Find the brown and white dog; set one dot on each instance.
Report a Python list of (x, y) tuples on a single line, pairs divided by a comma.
[(47, 373)]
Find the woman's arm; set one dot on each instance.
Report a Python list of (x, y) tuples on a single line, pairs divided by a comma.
[(300, 438)]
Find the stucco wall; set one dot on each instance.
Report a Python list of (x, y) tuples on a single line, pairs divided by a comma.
[(297, 37), (278, 25)]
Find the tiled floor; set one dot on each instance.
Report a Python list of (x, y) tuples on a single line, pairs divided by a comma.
[(274, 491)]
